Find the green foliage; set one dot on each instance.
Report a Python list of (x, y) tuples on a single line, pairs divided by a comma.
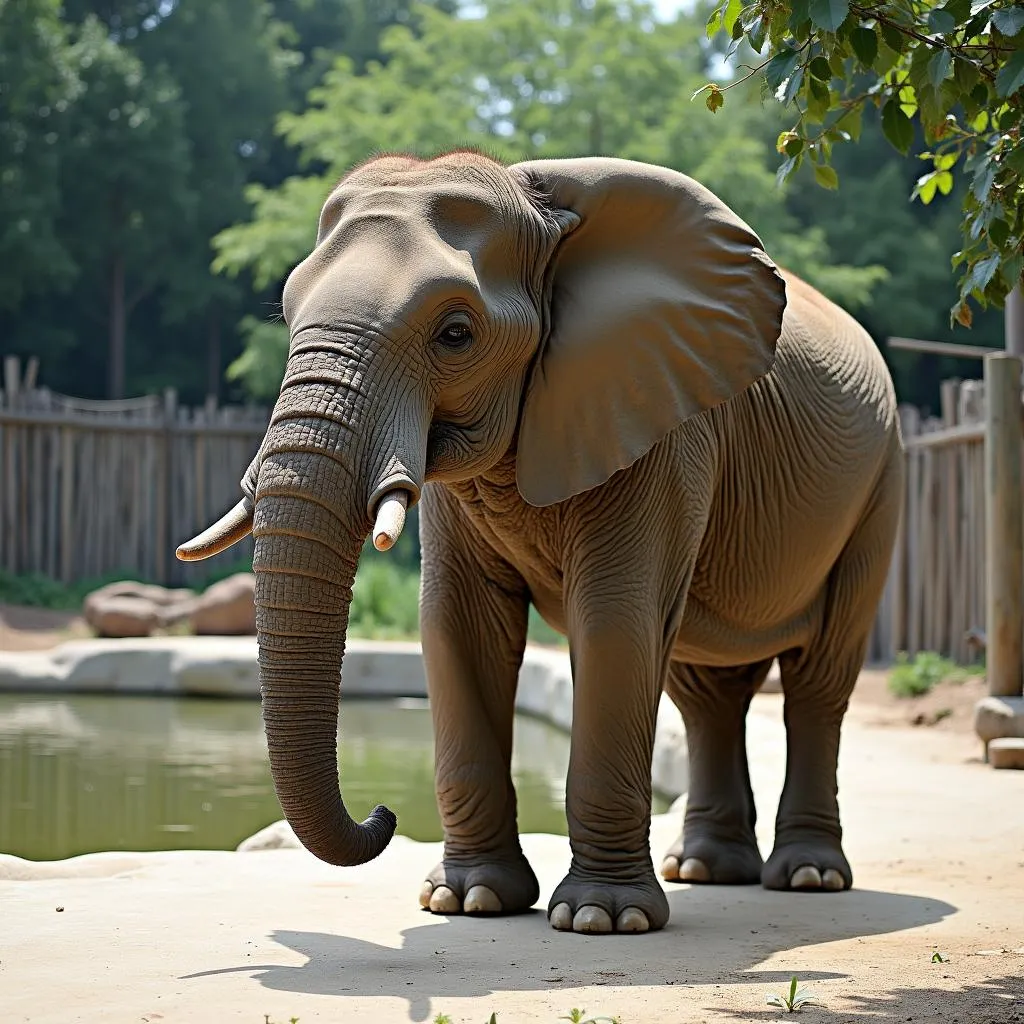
[(385, 601), (797, 997), (523, 79), (952, 68), (918, 676)]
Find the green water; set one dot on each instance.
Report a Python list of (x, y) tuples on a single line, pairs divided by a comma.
[(80, 774)]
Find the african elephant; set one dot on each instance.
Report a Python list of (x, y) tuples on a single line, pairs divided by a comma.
[(611, 403)]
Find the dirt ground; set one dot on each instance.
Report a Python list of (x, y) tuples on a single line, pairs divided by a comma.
[(36, 629)]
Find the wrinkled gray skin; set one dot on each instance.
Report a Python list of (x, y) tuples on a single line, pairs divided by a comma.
[(608, 401)]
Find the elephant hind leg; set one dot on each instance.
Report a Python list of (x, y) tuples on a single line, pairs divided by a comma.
[(817, 681), (717, 844)]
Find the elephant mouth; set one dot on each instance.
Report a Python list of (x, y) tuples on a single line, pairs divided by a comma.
[(456, 450)]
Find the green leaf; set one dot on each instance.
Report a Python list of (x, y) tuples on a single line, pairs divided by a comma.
[(800, 12), (941, 21), (826, 177), (897, 126), (1011, 75), (786, 168), (965, 74), (945, 182), (1009, 21), (1012, 269), (999, 232), (850, 122), (894, 38), (924, 187), (714, 22), (1015, 158), (820, 68), (984, 175), (828, 15), (780, 67), (731, 15), (793, 85), (865, 45), (819, 99), (938, 67), (981, 273), (716, 99)]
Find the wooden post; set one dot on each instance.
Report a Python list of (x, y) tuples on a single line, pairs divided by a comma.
[(1004, 515)]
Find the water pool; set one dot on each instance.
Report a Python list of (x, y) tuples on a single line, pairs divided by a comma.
[(80, 774)]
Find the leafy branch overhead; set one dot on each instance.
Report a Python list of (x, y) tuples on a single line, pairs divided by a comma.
[(955, 69)]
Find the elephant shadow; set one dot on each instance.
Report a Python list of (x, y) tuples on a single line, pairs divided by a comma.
[(715, 935)]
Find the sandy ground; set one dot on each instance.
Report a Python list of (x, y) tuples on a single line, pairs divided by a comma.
[(36, 629), (936, 839)]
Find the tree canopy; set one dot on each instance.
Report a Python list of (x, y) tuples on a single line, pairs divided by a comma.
[(163, 162), (951, 71)]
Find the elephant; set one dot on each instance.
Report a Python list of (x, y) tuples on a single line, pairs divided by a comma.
[(608, 402)]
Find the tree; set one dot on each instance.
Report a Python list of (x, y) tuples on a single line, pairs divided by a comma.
[(37, 83), (950, 72), (127, 205), (524, 79)]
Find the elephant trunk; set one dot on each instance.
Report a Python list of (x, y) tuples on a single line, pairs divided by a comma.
[(303, 595)]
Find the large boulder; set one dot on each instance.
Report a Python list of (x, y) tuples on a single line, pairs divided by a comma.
[(128, 608), (226, 608)]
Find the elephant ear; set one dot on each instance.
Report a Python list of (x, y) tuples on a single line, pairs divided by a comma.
[(662, 304)]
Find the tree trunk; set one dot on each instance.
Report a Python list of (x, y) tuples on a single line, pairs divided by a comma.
[(117, 317)]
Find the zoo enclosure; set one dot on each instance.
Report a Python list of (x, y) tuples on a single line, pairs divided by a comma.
[(89, 489)]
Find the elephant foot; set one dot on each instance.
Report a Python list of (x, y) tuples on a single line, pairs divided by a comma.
[(596, 907), (812, 865), (709, 860), (486, 886)]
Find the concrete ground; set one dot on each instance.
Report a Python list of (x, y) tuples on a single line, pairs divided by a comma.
[(935, 837)]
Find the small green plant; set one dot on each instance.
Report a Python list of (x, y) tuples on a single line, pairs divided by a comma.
[(917, 676), (443, 1018), (938, 958), (576, 1016), (797, 998), (267, 1020)]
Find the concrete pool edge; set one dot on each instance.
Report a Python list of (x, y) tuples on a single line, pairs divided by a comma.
[(190, 666)]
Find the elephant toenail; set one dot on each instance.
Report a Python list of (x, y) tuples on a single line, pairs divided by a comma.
[(632, 920), (425, 894), (832, 880), (670, 869), (807, 877), (444, 901), (592, 921), (694, 870), (561, 917), (481, 900)]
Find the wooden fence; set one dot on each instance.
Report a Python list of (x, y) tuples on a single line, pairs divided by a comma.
[(935, 595), (91, 489)]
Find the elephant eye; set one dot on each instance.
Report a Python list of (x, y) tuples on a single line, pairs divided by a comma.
[(455, 336)]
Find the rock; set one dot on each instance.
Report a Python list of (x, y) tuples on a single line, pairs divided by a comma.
[(278, 836), (227, 608), (1006, 752), (996, 717), (128, 608), (122, 616)]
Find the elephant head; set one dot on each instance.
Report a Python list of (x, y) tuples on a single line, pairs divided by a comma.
[(452, 308)]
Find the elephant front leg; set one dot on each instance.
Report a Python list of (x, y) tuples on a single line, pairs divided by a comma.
[(473, 610), (611, 885)]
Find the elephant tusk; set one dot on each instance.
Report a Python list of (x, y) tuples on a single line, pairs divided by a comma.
[(390, 519), (228, 530)]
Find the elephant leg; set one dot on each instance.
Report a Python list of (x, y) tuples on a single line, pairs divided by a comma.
[(718, 843), (473, 613), (817, 682)]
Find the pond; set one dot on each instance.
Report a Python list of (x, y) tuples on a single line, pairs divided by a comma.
[(80, 774)]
